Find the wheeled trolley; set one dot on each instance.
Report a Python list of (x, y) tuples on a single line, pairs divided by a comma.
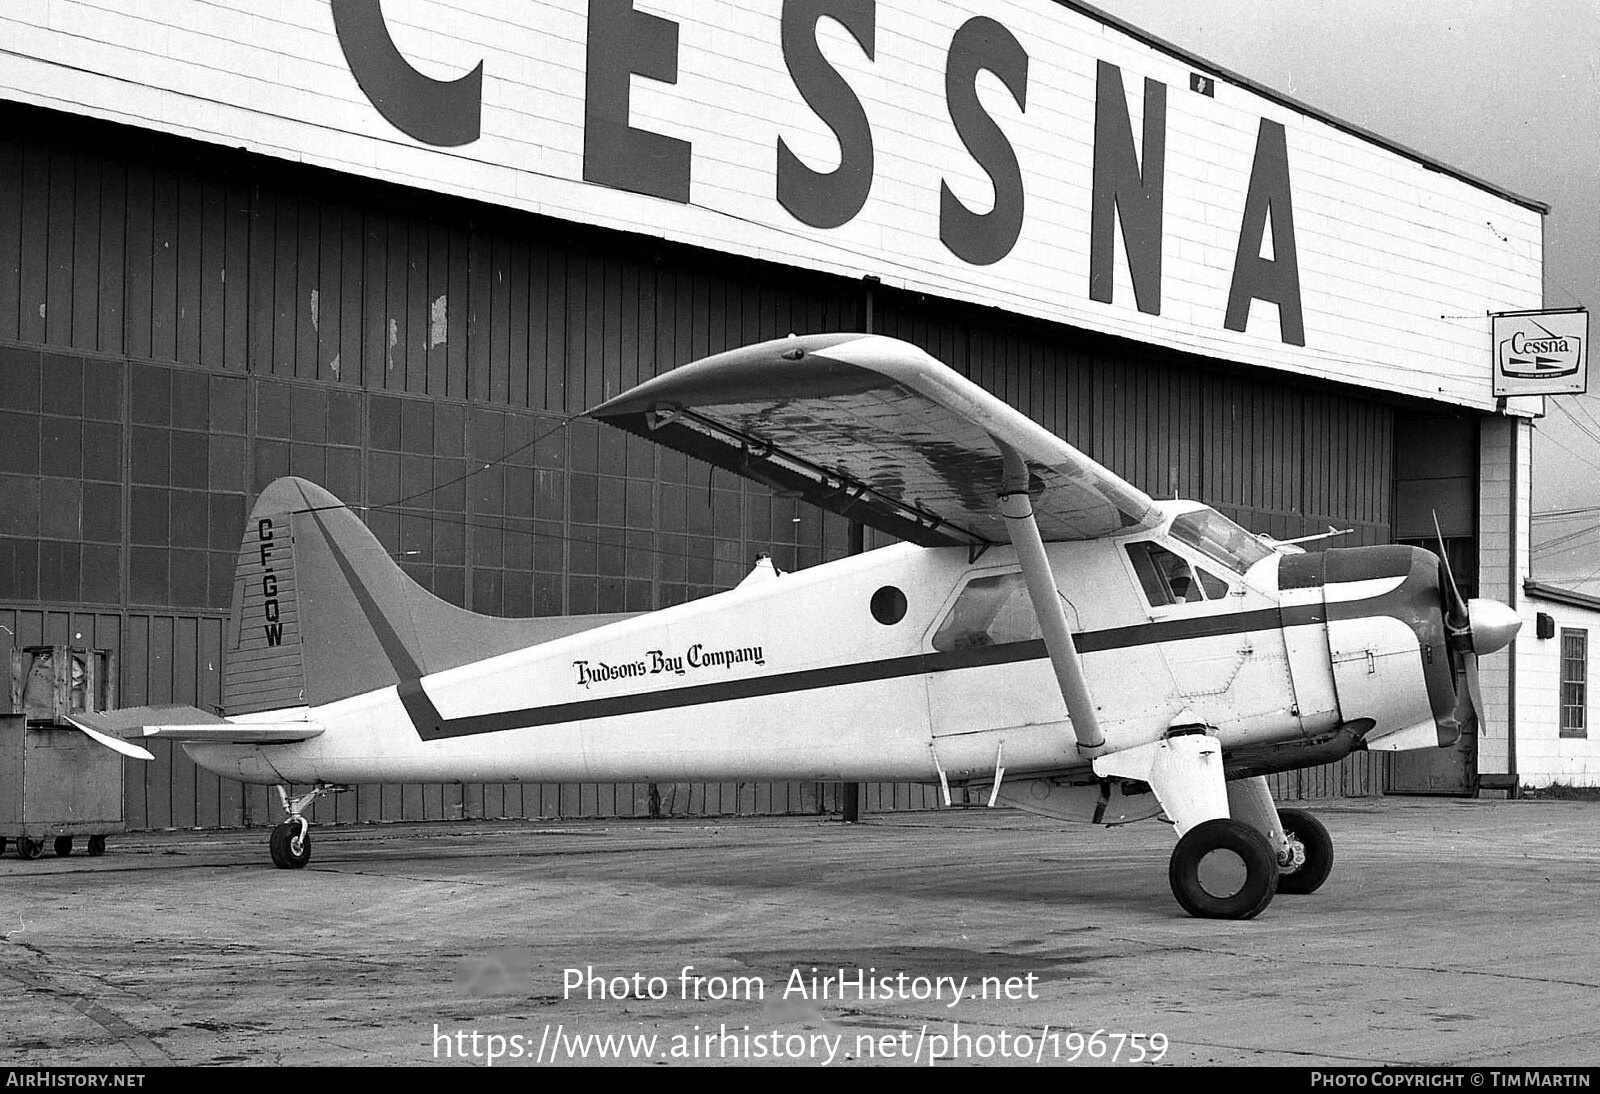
[(57, 785)]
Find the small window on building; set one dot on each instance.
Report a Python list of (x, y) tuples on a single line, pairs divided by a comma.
[(1574, 682), (990, 611)]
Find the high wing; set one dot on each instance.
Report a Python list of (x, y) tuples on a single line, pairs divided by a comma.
[(875, 429)]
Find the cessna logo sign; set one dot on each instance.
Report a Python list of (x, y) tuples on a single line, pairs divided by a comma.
[(1128, 176), (1541, 353)]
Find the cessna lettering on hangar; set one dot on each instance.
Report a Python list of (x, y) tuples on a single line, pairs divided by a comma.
[(1045, 633), (1128, 181)]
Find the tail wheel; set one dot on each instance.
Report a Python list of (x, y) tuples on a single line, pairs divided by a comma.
[(1313, 838), (291, 844), (1223, 869)]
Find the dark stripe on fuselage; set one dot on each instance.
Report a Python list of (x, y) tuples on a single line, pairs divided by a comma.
[(1305, 571), (424, 715), (1301, 571), (1314, 569), (917, 664)]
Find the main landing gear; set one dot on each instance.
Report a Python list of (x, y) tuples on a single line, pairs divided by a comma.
[(1236, 849), (1230, 868), (290, 843)]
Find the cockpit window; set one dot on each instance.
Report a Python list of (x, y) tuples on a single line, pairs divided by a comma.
[(990, 611), (1169, 579), (1219, 539), (1165, 577)]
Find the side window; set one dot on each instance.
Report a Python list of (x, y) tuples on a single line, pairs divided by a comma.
[(1215, 587), (1166, 578), (1169, 579), (990, 611)]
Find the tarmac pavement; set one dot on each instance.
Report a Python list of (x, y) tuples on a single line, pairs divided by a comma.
[(1451, 932)]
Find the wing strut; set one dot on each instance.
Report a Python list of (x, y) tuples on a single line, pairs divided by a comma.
[(1016, 506)]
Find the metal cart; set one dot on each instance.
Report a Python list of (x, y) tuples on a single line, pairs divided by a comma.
[(55, 782)]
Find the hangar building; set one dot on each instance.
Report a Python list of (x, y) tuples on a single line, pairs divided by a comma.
[(397, 250), (1556, 705)]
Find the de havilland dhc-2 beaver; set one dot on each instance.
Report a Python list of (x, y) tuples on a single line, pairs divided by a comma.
[(1044, 632)]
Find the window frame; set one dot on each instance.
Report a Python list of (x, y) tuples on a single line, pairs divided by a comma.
[(947, 612), (1239, 553), (1572, 717), (1196, 575)]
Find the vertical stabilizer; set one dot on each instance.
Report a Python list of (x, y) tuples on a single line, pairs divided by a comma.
[(322, 613), (265, 667)]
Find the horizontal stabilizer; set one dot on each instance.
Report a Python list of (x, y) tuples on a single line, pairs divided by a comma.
[(186, 724), (115, 744), (238, 733)]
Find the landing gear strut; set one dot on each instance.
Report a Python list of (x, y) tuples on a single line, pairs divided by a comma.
[(1223, 866), (290, 844)]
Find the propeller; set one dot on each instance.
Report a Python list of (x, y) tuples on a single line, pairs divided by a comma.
[(1472, 628), (1458, 618)]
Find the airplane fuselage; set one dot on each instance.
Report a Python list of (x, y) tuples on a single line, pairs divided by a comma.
[(909, 663)]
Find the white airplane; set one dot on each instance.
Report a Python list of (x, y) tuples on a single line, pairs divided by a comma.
[(1045, 631)]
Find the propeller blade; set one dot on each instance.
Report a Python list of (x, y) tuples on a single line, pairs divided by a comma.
[(1469, 702), (1459, 615), (1474, 692)]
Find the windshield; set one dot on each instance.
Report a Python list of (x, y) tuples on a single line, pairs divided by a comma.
[(1218, 538)]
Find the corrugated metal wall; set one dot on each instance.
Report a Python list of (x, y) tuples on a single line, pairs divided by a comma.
[(180, 324)]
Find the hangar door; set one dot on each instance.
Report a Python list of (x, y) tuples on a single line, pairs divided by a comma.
[(1436, 475)]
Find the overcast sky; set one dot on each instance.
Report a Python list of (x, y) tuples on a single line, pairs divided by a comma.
[(1508, 90)]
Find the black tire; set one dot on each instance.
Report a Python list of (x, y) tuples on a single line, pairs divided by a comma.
[(97, 846), (63, 846), (2, 845), (1242, 847), (289, 853), (1313, 836), (29, 848)]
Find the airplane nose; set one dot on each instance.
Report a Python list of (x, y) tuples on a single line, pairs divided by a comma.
[(1492, 624)]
